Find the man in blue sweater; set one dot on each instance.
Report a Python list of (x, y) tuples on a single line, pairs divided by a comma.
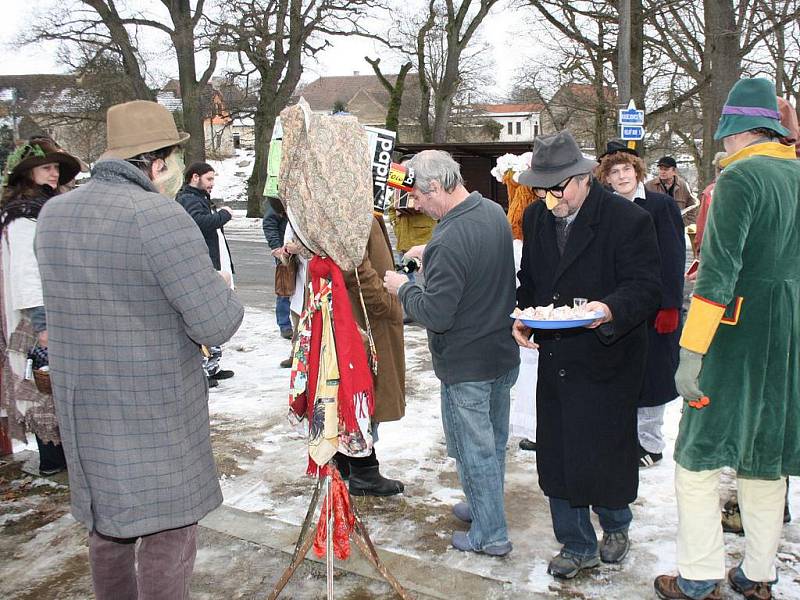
[(465, 303)]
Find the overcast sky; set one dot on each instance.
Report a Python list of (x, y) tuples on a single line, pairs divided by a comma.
[(345, 58)]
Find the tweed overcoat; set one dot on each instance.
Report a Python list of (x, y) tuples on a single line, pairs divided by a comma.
[(385, 319), (130, 292), (590, 379)]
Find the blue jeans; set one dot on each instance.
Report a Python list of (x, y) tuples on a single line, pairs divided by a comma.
[(700, 588), (282, 312), (697, 588), (475, 421), (573, 525)]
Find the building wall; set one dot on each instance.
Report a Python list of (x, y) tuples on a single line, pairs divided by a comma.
[(244, 136), (518, 128), (219, 140), (83, 137)]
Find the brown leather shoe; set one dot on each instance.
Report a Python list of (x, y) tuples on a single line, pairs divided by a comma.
[(732, 518), (667, 588), (760, 591)]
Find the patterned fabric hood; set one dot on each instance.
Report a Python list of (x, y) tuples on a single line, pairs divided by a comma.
[(325, 182)]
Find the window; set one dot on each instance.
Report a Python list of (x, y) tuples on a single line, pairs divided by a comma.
[(510, 128), (535, 129), (519, 128), (237, 140)]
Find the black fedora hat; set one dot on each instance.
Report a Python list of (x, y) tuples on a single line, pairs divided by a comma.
[(555, 158), (614, 146)]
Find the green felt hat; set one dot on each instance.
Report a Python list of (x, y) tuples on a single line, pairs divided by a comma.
[(751, 104)]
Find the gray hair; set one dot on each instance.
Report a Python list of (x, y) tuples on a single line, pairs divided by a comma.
[(435, 165)]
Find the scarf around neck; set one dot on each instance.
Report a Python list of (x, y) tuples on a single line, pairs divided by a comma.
[(22, 207)]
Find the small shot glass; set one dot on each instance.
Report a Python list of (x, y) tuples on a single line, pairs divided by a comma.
[(579, 304)]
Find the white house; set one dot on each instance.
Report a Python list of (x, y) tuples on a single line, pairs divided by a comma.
[(520, 122)]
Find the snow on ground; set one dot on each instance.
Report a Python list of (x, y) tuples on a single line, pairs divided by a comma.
[(231, 174), (263, 463)]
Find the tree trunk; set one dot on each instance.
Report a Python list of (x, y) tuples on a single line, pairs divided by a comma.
[(637, 53), (600, 100), (637, 62), (395, 93), (183, 40), (442, 105), (396, 100), (601, 108), (722, 58), (780, 58), (121, 39), (264, 122), (424, 87), (425, 110)]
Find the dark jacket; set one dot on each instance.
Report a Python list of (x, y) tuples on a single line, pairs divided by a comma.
[(589, 380), (274, 226), (468, 293), (662, 350), (198, 204)]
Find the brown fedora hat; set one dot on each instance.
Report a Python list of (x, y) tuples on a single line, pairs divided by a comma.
[(140, 126)]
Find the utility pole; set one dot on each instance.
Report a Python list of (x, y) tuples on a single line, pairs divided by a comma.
[(624, 53)]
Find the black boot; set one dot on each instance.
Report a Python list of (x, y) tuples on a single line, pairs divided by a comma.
[(366, 479), (343, 464), (51, 457), (787, 516)]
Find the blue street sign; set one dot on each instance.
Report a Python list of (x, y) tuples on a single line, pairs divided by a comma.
[(632, 132), (631, 116)]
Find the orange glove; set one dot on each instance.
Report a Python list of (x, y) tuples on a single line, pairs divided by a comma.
[(667, 320)]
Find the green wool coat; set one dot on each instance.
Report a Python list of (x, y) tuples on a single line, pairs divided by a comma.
[(751, 257)]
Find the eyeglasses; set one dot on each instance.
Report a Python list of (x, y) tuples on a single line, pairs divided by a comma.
[(557, 190)]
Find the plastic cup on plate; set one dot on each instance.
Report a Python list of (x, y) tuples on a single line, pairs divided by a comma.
[(579, 304)]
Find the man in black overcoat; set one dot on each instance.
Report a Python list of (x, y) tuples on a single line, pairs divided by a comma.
[(583, 241), (625, 173)]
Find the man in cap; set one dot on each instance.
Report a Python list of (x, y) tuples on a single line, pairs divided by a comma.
[(739, 355), (670, 183), (464, 304), (131, 293), (583, 241)]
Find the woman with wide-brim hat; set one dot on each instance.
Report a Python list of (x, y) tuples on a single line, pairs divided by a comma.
[(34, 173)]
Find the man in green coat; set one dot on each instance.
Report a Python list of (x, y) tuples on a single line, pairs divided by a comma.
[(740, 361)]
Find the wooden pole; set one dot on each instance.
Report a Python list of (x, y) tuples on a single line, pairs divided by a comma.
[(359, 535)]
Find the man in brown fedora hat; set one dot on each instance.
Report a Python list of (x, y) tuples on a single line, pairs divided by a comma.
[(127, 283), (585, 242)]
